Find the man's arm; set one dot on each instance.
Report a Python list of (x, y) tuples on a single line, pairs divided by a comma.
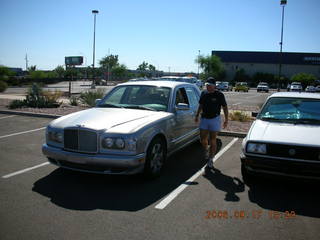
[(226, 115), (198, 113)]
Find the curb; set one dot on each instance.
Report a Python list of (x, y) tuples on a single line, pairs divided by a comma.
[(30, 114), (53, 116)]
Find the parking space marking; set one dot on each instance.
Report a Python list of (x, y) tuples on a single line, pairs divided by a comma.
[(24, 170), (10, 116), (183, 186), (14, 134)]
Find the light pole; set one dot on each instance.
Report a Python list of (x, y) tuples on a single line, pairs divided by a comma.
[(95, 12), (198, 62), (282, 3)]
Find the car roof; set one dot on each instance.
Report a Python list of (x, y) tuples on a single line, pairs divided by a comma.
[(296, 95), (159, 83)]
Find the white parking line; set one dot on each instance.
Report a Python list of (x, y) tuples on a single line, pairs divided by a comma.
[(10, 116), (178, 190), (25, 170), (14, 134)]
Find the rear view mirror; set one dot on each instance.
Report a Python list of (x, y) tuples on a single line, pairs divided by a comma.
[(182, 107), (97, 101), (254, 114)]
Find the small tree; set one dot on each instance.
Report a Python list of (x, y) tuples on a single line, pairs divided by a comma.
[(305, 78), (211, 67), (109, 62), (60, 71)]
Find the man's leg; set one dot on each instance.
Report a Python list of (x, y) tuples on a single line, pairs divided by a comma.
[(213, 143), (204, 140)]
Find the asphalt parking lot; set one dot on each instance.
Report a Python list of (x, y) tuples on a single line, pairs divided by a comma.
[(41, 201)]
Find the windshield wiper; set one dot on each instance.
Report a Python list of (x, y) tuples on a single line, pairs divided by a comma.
[(306, 121), (110, 105), (140, 107), (270, 119)]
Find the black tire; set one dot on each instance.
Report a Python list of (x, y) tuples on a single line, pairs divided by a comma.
[(246, 176), (156, 155)]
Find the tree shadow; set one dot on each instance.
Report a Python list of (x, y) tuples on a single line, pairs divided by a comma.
[(227, 184)]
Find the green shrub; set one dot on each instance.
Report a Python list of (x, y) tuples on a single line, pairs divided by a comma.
[(73, 101), (90, 97), (239, 116), (37, 98), (3, 86), (17, 104), (52, 96)]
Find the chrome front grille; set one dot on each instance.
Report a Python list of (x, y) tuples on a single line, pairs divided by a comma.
[(80, 140)]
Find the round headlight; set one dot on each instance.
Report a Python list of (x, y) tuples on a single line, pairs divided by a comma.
[(59, 137), (119, 143), (107, 142), (132, 144)]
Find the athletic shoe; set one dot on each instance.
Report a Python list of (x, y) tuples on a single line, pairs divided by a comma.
[(210, 163), (206, 154)]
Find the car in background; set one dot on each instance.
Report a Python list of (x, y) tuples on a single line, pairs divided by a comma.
[(310, 89), (317, 88), (284, 138), (263, 87), (131, 130), (295, 87), (223, 86), (241, 86)]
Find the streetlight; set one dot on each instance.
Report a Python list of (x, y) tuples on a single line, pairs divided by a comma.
[(282, 3), (198, 62), (95, 12)]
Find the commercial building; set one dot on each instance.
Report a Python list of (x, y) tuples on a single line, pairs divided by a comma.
[(268, 62)]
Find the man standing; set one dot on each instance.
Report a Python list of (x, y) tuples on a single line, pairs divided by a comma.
[(210, 104)]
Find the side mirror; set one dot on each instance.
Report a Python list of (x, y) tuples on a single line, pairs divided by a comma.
[(182, 107), (254, 114), (97, 101)]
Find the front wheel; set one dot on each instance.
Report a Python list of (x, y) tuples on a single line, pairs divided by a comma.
[(156, 155), (246, 176)]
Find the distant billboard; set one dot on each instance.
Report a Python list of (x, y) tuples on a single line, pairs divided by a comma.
[(74, 60)]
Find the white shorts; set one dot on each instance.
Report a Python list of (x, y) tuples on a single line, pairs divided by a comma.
[(211, 124)]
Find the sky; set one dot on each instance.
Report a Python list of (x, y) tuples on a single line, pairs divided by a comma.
[(168, 34)]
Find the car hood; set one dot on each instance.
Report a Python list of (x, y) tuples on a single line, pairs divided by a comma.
[(108, 118), (287, 133)]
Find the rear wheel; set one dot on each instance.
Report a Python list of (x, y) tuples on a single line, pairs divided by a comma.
[(156, 155)]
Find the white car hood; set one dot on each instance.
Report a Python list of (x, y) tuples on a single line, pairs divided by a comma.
[(104, 118), (300, 134)]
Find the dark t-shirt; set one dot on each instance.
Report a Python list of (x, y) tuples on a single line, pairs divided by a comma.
[(211, 103)]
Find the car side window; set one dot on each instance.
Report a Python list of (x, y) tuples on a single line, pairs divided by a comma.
[(181, 96), (193, 97)]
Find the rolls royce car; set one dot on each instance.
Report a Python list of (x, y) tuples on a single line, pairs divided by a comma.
[(285, 138), (131, 130)]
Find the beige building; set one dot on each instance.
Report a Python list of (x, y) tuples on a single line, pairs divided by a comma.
[(268, 62)]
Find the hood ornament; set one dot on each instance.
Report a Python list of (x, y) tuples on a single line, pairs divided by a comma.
[(292, 152)]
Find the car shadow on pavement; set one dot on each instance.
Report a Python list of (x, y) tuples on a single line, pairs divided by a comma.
[(85, 191), (230, 185), (297, 196)]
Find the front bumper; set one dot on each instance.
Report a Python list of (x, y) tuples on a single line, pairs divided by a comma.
[(95, 163), (282, 167)]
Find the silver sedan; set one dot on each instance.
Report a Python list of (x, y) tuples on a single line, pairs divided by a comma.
[(131, 130)]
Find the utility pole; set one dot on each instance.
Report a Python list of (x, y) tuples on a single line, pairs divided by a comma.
[(282, 3), (95, 12), (26, 58)]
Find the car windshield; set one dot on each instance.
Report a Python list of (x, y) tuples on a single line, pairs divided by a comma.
[(137, 97), (293, 110)]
